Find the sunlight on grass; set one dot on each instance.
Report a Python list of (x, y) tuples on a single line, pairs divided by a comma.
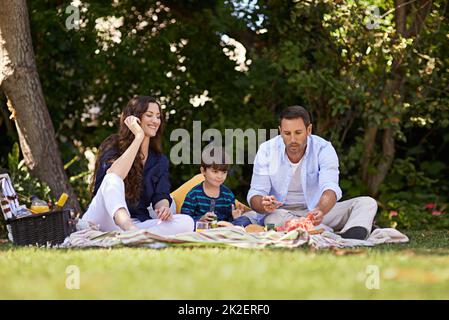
[(226, 273)]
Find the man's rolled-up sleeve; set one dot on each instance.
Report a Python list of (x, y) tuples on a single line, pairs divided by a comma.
[(260, 181), (329, 173)]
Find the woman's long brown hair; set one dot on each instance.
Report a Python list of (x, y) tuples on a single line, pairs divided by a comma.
[(137, 106)]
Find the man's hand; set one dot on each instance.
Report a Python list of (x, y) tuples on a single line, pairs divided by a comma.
[(209, 216), (270, 203), (316, 216)]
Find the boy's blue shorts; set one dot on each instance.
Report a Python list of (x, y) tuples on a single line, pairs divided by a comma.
[(241, 221)]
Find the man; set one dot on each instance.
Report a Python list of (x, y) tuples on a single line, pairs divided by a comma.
[(296, 173)]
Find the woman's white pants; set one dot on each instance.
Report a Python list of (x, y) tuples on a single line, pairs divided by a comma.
[(111, 196)]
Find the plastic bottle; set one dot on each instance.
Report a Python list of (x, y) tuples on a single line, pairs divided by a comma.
[(38, 205), (61, 202), (212, 210)]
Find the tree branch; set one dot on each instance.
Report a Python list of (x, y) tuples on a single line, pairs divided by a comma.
[(420, 16), (400, 16)]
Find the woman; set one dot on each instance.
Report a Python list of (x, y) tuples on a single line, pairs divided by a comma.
[(131, 184)]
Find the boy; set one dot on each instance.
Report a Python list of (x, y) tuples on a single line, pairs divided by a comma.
[(211, 198)]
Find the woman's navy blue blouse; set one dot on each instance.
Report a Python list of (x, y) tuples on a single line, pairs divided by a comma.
[(156, 182)]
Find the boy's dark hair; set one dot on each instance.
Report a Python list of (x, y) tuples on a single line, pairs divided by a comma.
[(294, 112), (216, 162)]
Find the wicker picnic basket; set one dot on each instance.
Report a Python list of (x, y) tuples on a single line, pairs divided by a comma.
[(42, 229), (38, 229)]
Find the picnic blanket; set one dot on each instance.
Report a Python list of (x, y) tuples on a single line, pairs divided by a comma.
[(226, 236)]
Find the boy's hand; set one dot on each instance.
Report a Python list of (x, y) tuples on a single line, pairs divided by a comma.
[(209, 216), (236, 212), (270, 203), (242, 207)]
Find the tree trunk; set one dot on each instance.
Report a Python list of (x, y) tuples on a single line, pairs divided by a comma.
[(20, 82), (374, 178), (4, 114)]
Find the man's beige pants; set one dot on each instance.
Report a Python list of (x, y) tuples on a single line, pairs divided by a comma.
[(356, 212)]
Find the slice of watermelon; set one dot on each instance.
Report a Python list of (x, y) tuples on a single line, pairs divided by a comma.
[(303, 223)]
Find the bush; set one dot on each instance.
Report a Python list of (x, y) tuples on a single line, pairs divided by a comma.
[(402, 214), (411, 198)]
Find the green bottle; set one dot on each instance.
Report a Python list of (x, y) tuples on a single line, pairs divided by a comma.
[(212, 209)]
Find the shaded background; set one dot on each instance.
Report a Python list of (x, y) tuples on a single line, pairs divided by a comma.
[(236, 64)]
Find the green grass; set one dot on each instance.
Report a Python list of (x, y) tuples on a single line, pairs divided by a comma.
[(418, 270)]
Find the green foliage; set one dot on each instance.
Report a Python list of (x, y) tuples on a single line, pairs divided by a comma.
[(316, 53), (24, 184), (411, 199), (80, 181), (405, 214), (93, 74)]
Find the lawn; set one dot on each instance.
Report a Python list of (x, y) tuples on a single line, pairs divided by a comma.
[(417, 270)]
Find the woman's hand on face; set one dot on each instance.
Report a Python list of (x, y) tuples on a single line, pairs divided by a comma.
[(133, 123), (164, 213)]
